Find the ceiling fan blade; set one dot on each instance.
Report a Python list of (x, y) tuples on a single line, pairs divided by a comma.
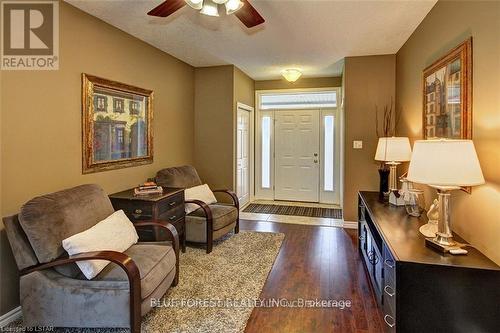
[(167, 8), (249, 15)]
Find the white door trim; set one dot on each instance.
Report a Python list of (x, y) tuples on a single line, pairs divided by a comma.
[(251, 139)]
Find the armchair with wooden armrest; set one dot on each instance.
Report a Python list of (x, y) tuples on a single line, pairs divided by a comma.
[(53, 291), (208, 222)]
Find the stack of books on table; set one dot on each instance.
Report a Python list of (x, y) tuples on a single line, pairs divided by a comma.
[(148, 189)]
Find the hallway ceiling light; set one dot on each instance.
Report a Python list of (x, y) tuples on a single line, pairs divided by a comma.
[(292, 74)]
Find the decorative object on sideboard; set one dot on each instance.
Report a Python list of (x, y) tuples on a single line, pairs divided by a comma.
[(384, 181), (385, 128), (148, 188), (415, 202), (116, 125), (392, 151), (445, 165), (431, 227)]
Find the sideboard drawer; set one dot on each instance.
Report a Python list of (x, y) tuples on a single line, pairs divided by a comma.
[(136, 211), (389, 318), (173, 214), (389, 264), (174, 202), (390, 293)]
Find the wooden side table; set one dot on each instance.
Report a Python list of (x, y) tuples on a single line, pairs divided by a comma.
[(168, 206)]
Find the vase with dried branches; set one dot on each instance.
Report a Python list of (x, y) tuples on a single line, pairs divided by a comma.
[(385, 128)]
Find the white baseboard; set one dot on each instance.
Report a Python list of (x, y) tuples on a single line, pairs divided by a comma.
[(10, 316), (350, 225)]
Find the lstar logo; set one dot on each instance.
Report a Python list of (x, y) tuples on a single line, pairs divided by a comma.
[(30, 35)]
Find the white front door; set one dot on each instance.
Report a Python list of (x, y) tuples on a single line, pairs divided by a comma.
[(243, 156), (297, 148)]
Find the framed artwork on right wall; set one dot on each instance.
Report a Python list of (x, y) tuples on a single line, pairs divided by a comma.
[(447, 95)]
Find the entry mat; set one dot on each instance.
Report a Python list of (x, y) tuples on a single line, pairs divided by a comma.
[(334, 213)]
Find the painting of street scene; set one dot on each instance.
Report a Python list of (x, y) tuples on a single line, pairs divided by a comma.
[(447, 96), (120, 125), (116, 125), (443, 107)]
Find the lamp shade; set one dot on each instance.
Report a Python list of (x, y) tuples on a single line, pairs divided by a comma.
[(232, 6), (442, 163), (210, 8), (196, 4), (393, 149)]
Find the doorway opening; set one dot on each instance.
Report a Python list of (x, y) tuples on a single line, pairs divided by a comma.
[(298, 145)]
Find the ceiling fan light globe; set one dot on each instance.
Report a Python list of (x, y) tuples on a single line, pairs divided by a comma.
[(291, 75), (233, 6), (220, 2), (196, 4), (210, 8)]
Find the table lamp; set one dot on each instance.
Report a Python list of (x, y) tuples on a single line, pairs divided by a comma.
[(445, 165), (393, 151)]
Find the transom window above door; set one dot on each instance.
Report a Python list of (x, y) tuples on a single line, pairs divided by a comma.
[(299, 100)]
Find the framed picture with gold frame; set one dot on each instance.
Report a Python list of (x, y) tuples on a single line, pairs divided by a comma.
[(117, 125), (447, 95)]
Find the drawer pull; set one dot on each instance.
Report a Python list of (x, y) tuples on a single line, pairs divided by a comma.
[(391, 325), (171, 218), (389, 263), (172, 204), (389, 291), (138, 211)]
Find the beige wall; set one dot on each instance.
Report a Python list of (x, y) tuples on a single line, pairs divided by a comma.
[(244, 88), (368, 82), (40, 128), (214, 125), (475, 217), (217, 91), (319, 82), (244, 92)]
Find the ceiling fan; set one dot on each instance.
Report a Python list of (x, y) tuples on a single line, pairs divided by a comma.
[(243, 10)]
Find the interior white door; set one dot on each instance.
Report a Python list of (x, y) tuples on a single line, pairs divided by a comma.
[(297, 148), (243, 156)]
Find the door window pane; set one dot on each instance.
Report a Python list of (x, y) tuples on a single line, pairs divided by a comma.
[(266, 152), (329, 153)]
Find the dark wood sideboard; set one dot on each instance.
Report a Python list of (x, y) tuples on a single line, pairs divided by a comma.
[(417, 288), (168, 206)]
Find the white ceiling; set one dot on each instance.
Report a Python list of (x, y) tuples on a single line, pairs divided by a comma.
[(313, 35)]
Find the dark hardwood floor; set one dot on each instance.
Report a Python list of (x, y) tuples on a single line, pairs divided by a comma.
[(315, 263)]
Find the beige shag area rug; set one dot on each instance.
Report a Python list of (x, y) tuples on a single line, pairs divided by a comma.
[(209, 287)]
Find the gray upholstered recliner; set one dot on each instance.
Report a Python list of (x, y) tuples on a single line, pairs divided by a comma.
[(53, 290), (209, 222)]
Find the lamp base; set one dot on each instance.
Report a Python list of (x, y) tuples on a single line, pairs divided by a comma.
[(429, 229), (436, 245)]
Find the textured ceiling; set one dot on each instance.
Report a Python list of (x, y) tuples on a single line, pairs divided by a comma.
[(313, 35)]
